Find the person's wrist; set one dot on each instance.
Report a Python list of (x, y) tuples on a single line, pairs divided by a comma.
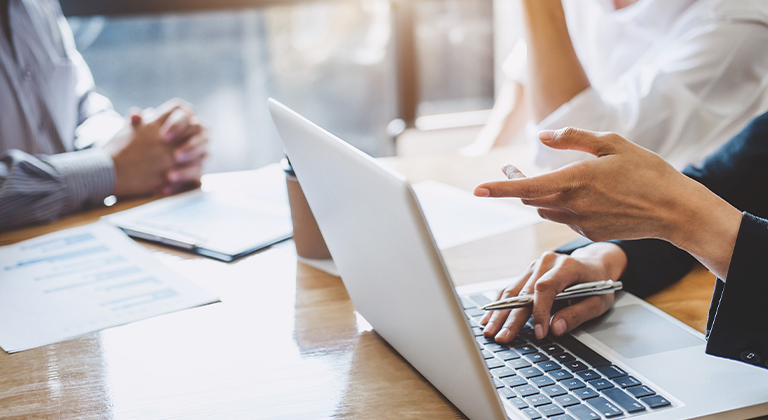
[(706, 227), (607, 259)]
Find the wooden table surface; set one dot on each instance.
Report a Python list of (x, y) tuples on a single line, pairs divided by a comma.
[(285, 342)]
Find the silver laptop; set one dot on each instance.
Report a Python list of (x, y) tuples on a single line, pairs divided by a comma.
[(635, 361)]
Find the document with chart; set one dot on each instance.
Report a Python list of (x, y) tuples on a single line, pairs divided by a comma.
[(81, 280)]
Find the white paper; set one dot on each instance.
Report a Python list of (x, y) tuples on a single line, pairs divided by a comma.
[(457, 217), (231, 221), (77, 281)]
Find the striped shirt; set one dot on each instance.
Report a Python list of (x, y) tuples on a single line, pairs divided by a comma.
[(46, 92)]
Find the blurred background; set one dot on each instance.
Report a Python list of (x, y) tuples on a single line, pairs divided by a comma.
[(363, 69)]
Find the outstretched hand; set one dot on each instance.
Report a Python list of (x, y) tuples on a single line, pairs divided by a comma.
[(626, 192)]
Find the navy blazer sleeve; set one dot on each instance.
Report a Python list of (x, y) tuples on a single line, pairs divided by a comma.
[(737, 327)]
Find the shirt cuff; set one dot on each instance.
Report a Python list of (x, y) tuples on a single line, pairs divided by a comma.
[(89, 177), (737, 327), (582, 111)]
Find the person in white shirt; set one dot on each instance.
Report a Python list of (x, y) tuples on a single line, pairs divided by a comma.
[(679, 77)]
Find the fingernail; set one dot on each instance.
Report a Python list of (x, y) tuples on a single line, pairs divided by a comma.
[(546, 134), (502, 335), (169, 135), (482, 192), (174, 176), (539, 330), (559, 327), (180, 157)]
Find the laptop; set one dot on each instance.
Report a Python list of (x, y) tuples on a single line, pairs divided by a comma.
[(635, 361)]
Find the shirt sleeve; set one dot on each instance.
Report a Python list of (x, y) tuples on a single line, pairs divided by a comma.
[(702, 88), (737, 327), (43, 188)]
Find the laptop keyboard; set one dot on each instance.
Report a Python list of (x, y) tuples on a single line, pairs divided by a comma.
[(559, 378)]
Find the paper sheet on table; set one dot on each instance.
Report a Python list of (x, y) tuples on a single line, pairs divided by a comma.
[(77, 281), (457, 217)]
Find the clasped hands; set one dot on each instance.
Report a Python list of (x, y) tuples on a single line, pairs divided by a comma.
[(625, 192), (159, 151)]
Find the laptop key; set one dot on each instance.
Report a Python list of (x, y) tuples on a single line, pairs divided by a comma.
[(485, 340), (495, 347), (503, 372), (586, 393), (541, 381), (475, 312), (519, 363), (582, 412), (572, 384), (530, 372), (656, 401), (561, 417), (626, 381), (466, 303), (487, 355), (498, 383), (525, 349), (536, 357), (554, 391), (531, 413), (629, 404), (575, 366), (548, 366), (477, 331), (581, 350), (604, 407), (494, 363), (640, 391), (588, 375), (566, 400), (537, 400), (508, 355), (550, 410), (518, 402), (481, 300), (600, 384), (611, 372), (506, 393), (526, 390), (561, 374), (514, 381), (552, 349), (564, 357)]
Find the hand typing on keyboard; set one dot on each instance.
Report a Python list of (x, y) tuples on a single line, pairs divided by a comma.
[(548, 276)]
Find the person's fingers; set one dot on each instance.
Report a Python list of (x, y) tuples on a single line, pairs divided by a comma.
[(561, 180), (512, 172), (487, 316), (576, 314), (192, 150), (570, 138), (497, 318), (518, 317), (188, 173), (566, 272), (177, 123)]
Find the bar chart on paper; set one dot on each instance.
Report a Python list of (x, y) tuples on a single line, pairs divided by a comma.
[(82, 280)]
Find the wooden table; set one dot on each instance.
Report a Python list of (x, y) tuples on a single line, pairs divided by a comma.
[(285, 341)]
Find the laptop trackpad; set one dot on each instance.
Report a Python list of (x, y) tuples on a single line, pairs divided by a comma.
[(633, 331)]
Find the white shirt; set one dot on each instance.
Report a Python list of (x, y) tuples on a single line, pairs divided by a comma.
[(679, 77)]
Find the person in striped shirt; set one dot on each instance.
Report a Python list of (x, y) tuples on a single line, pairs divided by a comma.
[(57, 154)]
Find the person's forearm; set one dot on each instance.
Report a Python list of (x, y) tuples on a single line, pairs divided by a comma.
[(706, 226), (554, 72)]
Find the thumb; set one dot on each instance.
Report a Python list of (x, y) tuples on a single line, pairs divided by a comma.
[(572, 316), (569, 138)]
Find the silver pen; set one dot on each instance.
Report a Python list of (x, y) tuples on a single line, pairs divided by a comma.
[(602, 287)]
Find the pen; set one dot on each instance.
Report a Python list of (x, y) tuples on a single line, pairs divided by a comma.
[(602, 287)]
